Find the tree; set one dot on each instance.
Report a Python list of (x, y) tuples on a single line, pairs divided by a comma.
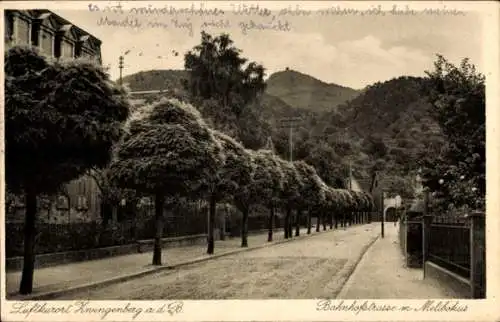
[(331, 203), (399, 185), (168, 152), (234, 174), (457, 96), (312, 190), (327, 163), (218, 73), (290, 197), (345, 206), (248, 194), (269, 179), (62, 118)]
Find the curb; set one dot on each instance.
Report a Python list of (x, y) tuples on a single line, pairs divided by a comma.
[(119, 279), (352, 268)]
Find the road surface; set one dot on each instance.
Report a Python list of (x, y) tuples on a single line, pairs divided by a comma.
[(314, 267)]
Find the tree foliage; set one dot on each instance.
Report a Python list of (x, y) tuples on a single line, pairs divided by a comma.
[(457, 95), (224, 84), (62, 118), (168, 149), (217, 71)]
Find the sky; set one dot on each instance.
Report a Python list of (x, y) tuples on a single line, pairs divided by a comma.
[(349, 49)]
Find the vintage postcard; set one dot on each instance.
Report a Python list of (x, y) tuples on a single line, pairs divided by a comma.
[(250, 161)]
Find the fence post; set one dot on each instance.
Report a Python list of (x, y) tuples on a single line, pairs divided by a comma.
[(426, 236), (405, 225), (477, 254)]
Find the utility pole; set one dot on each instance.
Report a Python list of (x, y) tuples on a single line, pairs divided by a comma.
[(120, 65), (382, 212), (290, 123)]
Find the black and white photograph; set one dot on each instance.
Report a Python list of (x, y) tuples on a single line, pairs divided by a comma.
[(169, 152)]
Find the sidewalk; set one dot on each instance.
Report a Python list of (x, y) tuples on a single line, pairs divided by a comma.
[(53, 279), (382, 274)]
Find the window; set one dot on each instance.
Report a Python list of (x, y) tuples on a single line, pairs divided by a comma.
[(46, 42), (66, 49), (23, 32), (82, 203), (62, 203)]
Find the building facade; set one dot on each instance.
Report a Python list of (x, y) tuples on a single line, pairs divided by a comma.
[(53, 35), (56, 37)]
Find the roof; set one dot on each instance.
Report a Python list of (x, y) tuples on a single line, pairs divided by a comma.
[(359, 184), (44, 13)]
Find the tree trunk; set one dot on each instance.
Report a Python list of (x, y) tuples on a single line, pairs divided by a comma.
[(309, 222), (159, 204), (244, 228), (344, 220), (270, 225), (297, 222), (323, 219), (336, 218), (330, 217), (285, 224), (211, 224), (26, 286), (289, 223), (318, 223)]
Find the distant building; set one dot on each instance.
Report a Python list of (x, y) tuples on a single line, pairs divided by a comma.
[(58, 38), (53, 35)]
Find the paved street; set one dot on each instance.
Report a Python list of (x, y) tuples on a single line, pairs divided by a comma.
[(313, 267)]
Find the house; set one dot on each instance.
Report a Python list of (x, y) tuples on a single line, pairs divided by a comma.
[(52, 34), (57, 38)]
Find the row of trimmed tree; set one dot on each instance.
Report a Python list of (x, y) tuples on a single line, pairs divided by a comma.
[(64, 118), (169, 152)]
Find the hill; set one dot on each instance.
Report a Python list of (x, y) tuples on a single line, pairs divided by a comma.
[(306, 92), (155, 79)]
